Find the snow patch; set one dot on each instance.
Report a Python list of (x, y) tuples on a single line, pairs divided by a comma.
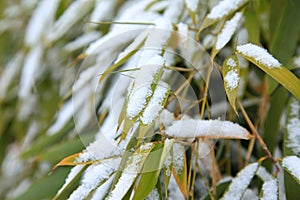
[(232, 79), (260, 55), (270, 190), (240, 183), (293, 127), (191, 128), (292, 163), (227, 31), (224, 8)]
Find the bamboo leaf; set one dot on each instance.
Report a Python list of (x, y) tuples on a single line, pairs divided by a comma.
[(240, 183), (222, 185), (291, 165), (180, 168), (152, 168), (270, 190), (261, 58), (130, 173), (221, 10), (231, 74), (191, 128)]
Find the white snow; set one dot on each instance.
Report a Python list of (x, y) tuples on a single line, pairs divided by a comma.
[(154, 195), (101, 191), (134, 165), (293, 127), (224, 8), (231, 63), (142, 85), (74, 171), (259, 54), (40, 21), (192, 4), (232, 80), (178, 157), (9, 74), (73, 14), (240, 183), (270, 190), (154, 106), (94, 176), (292, 163), (297, 61), (174, 191), (227, 31), (31, 65), (82, 41), (183, 31), (166, 118), (191, 128)]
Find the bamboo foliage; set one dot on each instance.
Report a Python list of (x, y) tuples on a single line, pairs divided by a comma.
[(125, 100)]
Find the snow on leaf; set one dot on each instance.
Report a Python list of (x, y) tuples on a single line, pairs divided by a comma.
[(192, 128), (154, 195), (240, 183), (82, 41), (224, 8), (227, 31), (133, 167), (94, 176), (262, 59), (270, 190), (41, 19), (192, 5), (232, 80), (155, 104), (231, 74), (72, 15), (259, 54), (293, 127), (142, 89), (291, 164)]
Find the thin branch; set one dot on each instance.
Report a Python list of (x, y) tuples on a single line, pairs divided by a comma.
[(257, 135)]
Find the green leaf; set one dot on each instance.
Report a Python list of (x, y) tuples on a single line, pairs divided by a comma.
[(221, 187), (45, 141), (180, 168), (63, 149), (133, 167), (231, 74), (231, 9), (280, 73), (152, 168), (291, 165), (46, 187), (71, 186)]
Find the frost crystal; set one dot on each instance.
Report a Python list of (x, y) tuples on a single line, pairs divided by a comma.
[(270, 190), (227, 31), (259, 54), (240, 183), (232, 79), (292, 164), (224, 8), (293, 127)]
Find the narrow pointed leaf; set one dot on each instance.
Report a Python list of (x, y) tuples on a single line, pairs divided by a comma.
[(240, 183), (291, 165), (270, 190), (231, 74), (265, 61), (191, 128)]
